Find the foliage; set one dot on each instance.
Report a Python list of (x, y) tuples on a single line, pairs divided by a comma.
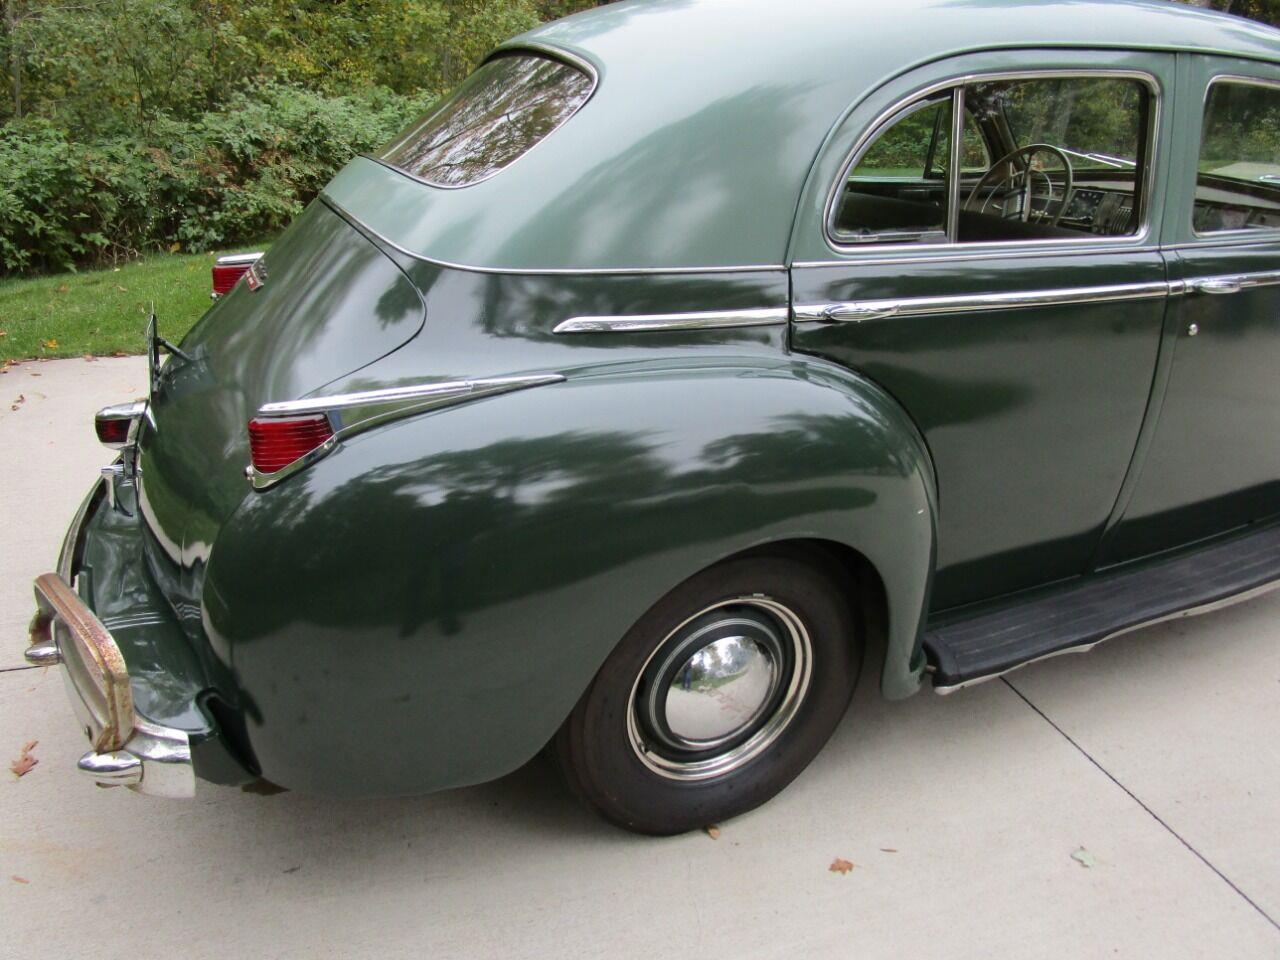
[(102, 312), (242, 171), (129, 126)]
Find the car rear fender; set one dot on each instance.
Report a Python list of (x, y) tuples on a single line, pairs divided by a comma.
[(423, 607)]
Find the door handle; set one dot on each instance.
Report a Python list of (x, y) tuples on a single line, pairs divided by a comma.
[(857, 312), (1218, 286)]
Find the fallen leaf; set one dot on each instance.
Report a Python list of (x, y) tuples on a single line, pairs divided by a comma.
[(63, 288), (840, 865), (119, 353), (712, 831), (175, 247), (90, 358), (50, 344), (292, 869), (1084, 858), (122, 289), (22, 398), (17, 879), (23, 765), (888, 850), (37, 374), (4, 333)]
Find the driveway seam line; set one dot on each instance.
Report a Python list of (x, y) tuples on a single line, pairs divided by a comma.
[(1134, 797)]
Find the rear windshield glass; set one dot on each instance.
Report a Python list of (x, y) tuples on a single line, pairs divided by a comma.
[(499, 113)]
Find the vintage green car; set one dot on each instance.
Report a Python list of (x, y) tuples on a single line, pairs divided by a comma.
[(691, 353)]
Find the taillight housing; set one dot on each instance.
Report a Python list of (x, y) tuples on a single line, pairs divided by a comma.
[(114, 424), (276, 442), (228, 270)]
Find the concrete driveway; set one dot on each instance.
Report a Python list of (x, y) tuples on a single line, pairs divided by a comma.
[(1157, 755)]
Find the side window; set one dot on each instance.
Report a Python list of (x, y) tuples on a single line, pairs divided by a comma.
[(1238, 178), (1042, 158), (897, 190)]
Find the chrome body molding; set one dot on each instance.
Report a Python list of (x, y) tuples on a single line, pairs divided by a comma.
[(650, 322), (1234, 283), (353, 413), (1086, 647), (857, 311)]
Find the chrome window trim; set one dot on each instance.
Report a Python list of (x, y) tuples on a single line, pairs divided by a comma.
[(654, 322), (386, 241), (856, 311), (963, 252), (1259, 233), (869, 134), (353, 413), (546, 51)]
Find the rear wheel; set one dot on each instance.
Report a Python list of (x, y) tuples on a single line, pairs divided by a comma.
[(717, 698)]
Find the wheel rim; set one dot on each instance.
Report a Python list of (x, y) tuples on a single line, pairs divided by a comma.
[(720, 688)]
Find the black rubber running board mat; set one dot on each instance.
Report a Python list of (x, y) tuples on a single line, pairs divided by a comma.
[(1095, 608)]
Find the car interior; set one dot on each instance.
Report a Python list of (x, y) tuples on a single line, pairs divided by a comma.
[(1039, 159)]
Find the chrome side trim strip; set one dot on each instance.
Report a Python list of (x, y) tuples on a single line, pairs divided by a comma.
[(857, 311), (1210, 607), (1234, 282), (647, 322), (386, 241), (353, 413)]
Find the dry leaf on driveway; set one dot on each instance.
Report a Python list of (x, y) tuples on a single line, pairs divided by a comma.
[(840, 865), (712, 831), (17, 879), (22, 766), (1084, 858), (22, 398)]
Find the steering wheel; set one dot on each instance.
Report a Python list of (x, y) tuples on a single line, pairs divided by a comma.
[(1021, 181)]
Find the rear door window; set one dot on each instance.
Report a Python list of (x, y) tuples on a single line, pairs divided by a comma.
[(1238, 177), (501, 112)]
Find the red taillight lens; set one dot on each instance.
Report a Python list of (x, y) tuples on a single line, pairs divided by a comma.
[(276, 442), (225, 276), (112, 432)]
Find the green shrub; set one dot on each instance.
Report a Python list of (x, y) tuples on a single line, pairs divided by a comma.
[(231, 175)]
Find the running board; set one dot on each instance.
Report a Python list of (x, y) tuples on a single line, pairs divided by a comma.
[(1077, 617)]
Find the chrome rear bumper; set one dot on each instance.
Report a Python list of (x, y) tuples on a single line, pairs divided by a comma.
[(127, 748)]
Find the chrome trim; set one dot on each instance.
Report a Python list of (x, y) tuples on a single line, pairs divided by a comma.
[(1212, 236), (868, 135), (132, 411), (546, 51), (742, 754), (353, 413), (649, 322), (238, 259), (954, 162), (1235, 282), (856, 311), (43, 654), (364, 228), (960, 253), (1210, 607)]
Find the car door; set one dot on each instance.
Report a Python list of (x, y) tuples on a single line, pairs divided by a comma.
[(1213, 460), (1023, 348)]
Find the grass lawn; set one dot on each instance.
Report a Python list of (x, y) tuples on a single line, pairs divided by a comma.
[(103, 312)]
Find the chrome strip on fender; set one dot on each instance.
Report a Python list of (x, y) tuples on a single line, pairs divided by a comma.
[(649, 322), (352, 413), (1234, 282), (859, 310)]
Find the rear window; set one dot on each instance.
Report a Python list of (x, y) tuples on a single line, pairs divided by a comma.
[(499, 113)]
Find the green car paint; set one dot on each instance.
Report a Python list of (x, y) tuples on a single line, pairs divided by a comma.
[(423, 607)]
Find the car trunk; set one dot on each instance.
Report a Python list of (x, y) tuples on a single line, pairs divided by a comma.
[(331, 303)]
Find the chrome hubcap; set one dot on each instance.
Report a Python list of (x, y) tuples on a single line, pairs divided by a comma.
[(719, 689)]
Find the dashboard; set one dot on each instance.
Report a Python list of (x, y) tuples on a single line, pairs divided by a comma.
[(1102, 212)]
